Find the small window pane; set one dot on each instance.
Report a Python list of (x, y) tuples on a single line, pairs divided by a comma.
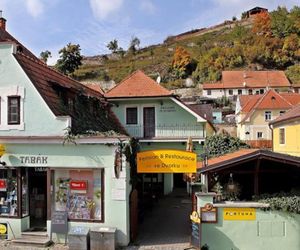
[(281, 136), (268, 115), (13, 110), (208, 92), (131, 116)]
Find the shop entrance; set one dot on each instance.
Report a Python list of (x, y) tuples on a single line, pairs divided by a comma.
[(37, 185)]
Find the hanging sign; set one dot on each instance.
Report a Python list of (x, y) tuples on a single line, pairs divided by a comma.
[(3, 231), (195, 232), (166, 161), (78, 186), (2, 184), (239, 213)]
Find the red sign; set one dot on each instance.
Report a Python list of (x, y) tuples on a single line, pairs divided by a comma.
[(78, 185), (3, 184)]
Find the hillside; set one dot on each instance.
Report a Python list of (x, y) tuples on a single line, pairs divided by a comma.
[(267, 41)]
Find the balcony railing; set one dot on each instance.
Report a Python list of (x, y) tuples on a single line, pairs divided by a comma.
[(166, 131)]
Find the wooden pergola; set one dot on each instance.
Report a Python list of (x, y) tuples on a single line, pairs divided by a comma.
[(258, 171)]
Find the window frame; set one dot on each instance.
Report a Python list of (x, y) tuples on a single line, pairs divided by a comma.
[(250, 92), (208, 92), (240, 91), (282, 140), (126, 116), (259, 137), (230, 92), (269, 112), (9, 113)]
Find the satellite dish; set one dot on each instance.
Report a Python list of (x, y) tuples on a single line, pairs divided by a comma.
[(158, 79)]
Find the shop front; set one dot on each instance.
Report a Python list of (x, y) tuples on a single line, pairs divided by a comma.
[(38, 180)]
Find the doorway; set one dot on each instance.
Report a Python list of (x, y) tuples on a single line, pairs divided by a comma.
[(149, 122), (37, 185)]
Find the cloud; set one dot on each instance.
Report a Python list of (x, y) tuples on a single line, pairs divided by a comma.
[(103, 8), (34, 7), (148, 6)]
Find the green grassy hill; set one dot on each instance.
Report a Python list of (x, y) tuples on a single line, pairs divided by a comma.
[(272, 43)]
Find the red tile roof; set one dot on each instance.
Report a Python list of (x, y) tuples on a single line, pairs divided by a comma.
[(96, 87), (6, 37), (228, 157), (137, 85), (269, 100), (293, 113), (250, 79)]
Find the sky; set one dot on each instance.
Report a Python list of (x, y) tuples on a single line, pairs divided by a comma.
[(51, 24)]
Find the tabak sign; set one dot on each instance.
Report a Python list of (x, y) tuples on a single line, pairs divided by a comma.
[(166, 161), (78, 186), (2, 184)]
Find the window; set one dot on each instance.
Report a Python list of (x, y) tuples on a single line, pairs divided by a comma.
[(8, 192), (230, 92), (261, 91), (208, 92), (239, 92), (250, 91), (259, 135), (281, 136), (13, 112), (80, 192), (268, 115), (257, 92), (131, 116), (281, 112)]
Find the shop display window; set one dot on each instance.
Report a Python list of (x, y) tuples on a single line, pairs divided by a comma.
[(8, 192), (80, 193)]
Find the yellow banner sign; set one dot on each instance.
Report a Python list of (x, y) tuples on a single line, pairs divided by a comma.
[(2, 150), (239, 213), (166, 161)]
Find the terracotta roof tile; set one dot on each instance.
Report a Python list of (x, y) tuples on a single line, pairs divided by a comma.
[(96, 87), (293, 113), (250, 79), (138, 85), (270, 100), (228, 157)]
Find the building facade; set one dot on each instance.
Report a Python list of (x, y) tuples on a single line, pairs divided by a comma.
[(234, 83), (45, 165), (253, 113)]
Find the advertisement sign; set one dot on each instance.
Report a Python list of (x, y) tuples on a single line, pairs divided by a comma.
[(166, 161), (3, 231), (2, 184), (78, 186), (2, 150), (239, 213)]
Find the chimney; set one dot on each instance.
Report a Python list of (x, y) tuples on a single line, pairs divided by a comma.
[(2, 22)]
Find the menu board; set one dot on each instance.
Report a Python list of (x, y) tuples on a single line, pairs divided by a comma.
[(59, 222), (195, 235)]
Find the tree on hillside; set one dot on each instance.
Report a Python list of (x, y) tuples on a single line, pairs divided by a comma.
[(262, 24), (293, 73), (45, 55), (282, 24), (181, 60), (221, 144), (295, 17), (134, 45), (70, 59), (113, 46)]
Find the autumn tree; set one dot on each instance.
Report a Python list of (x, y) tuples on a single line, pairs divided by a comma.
[(45, 55), (70, 58), (262, 24), (281, 25), (181, 60)]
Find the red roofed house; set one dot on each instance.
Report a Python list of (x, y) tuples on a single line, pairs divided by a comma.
[(235, 83), (254, 112), (159, 120), (45, 170)]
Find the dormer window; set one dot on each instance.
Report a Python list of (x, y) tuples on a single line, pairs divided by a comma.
[(13, 110)]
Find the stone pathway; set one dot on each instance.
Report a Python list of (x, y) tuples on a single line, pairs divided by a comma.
[(167, 226)]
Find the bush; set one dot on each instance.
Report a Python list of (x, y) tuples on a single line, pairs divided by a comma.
[(287, 202)]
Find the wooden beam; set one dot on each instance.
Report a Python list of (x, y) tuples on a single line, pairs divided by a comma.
[(256, 177)]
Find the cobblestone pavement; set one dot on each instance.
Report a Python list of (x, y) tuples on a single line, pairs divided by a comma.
[(167, 226)]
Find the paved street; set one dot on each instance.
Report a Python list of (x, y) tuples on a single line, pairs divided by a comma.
[(167, 225)]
